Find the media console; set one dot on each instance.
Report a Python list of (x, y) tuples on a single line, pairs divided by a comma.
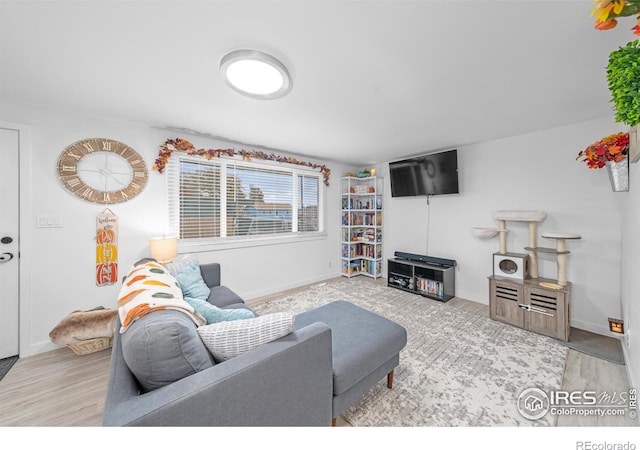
[(424, 275)]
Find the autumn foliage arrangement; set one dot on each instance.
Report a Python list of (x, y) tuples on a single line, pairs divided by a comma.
[(611, 148), (182, 145), (608, 11)]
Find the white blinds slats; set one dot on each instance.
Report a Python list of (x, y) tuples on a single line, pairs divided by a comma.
[(308, 202), (248, 200), (259, 201), (199, 196)]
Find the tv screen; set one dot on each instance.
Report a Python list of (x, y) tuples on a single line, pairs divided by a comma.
[(406, 178), (432, 174)]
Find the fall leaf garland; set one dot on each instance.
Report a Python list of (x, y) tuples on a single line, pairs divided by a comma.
[(182, 145)]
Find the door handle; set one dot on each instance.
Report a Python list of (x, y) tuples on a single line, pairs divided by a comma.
[(540, 311), (6, 257), (535, 309)]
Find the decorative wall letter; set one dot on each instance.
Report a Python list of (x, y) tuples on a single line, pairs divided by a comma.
[(106, 248)]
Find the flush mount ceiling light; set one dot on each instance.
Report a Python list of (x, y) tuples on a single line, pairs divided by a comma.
[(255, 74)]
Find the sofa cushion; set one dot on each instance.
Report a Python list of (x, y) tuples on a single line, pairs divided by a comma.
[(239, 306), (361, 340), (226, 340), (213, 314), (163, 347), (222, 296), (191, 282)]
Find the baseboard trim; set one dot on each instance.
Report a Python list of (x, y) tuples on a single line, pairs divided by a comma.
[(255, 296), (41, 347), (588, 326)]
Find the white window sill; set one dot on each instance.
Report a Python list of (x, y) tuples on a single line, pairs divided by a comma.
[(207, 245)]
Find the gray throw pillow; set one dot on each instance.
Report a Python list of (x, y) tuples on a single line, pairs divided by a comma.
[(163, 347)]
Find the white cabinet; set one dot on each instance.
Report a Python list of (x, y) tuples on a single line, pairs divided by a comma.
[(361, 226)]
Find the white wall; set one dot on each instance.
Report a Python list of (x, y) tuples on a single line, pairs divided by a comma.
[(62, 260), (630, 278), (536, 171)]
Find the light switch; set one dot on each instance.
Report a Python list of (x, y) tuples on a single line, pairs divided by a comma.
[(52, 221)]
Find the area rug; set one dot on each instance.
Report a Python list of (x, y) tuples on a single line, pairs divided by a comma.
[(603, 347), (459, 368), (6, 364)]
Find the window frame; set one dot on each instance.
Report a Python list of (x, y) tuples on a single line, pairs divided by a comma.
[(194, 245)]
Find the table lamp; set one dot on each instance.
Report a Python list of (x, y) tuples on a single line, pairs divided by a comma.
[(163, 249)]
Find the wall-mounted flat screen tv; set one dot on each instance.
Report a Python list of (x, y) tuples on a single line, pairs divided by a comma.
[(432, 174)]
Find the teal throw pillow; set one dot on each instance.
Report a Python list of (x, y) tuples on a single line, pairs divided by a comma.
[(191, 282), (213, 314)]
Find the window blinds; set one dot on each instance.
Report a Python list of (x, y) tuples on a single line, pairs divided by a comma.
[(217, 199)]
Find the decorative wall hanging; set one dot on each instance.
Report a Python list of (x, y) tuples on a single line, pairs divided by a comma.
[(610, 152), (102, 171), (106, 248), (182, 145), (611, 148)]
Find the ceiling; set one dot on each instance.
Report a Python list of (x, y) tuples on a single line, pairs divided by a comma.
[(373, 81)]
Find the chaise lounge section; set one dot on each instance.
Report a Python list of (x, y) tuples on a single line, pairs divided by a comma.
[(365, 348)]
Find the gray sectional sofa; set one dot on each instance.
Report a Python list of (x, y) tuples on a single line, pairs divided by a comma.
[(305, 378)]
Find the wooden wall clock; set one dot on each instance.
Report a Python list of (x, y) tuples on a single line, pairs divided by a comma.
[(102, 171)]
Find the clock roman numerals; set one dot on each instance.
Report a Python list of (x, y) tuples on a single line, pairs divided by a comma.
[(88, 146), (87, 193), (111, 173), (73, 182), (67, 169), (129, 154), (74, 156)]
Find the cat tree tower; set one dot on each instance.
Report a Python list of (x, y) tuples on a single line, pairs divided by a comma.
[(517, 295), (533, 218)]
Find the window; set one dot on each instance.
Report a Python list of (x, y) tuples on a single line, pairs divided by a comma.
[(233, 199)]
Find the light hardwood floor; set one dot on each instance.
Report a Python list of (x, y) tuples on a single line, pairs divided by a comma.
[(59, 388)]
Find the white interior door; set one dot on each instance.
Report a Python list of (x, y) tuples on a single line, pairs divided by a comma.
[(9, 250)]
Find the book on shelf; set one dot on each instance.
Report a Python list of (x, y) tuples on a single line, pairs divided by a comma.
[(430, 287)]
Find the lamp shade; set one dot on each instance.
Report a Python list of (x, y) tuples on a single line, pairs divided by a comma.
[(163, 249)]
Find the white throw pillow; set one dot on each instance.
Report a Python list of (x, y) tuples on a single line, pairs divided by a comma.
[(180, 263), (226, 340)]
